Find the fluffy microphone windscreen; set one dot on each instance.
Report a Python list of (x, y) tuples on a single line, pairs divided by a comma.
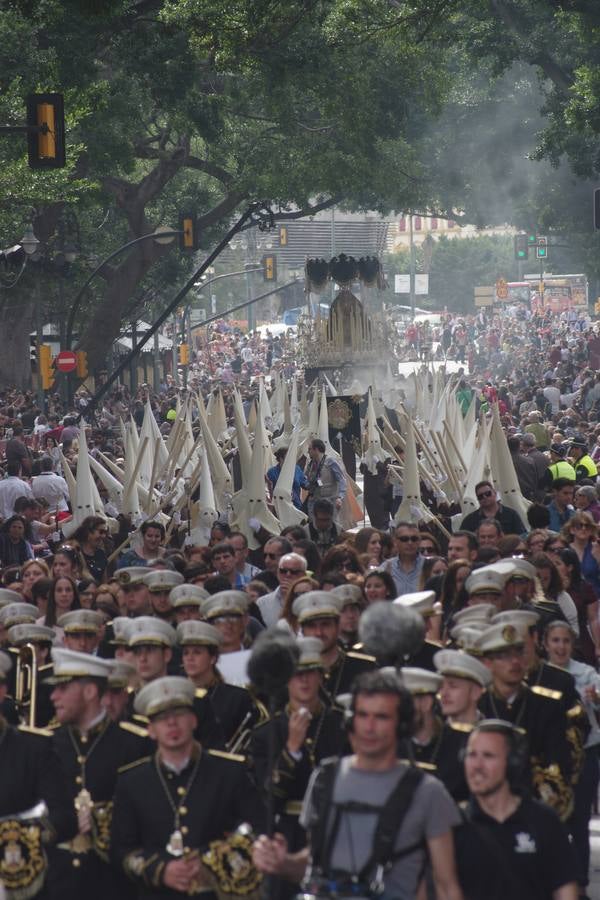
[(391, 633), (272, 661)]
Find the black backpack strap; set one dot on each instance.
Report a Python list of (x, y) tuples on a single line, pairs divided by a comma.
[(390, 821), (321, 801)]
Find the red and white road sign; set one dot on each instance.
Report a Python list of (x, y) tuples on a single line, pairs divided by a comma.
[(66, 361)]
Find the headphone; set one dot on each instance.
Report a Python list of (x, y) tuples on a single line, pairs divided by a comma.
[(517, 758), (379, 682)]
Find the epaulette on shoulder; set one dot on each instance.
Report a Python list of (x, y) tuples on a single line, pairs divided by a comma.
[(546, 692), (352, 655), (575, 711), (461, 726), (427, 767), (200, 693), (40, 732), (132, 765), (134, 729), (234, 757), (142, 719)]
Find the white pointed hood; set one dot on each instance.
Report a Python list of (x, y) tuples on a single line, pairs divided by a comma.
[(287, 513), (374, 451)]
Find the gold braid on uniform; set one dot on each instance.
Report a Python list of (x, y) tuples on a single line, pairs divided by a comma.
[(552, 788), (23, 862), (229, 861), (101, 824), (575, 734)]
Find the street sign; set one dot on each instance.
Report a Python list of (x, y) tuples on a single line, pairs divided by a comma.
[(402, 284), (502, 289), (484, 296), (66, 361)]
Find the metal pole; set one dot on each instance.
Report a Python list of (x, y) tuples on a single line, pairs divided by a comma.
[(156, 363), (412, 267), (39, 340)]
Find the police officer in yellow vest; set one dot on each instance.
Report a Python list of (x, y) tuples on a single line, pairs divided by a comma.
[(559, 466), (584, 465)]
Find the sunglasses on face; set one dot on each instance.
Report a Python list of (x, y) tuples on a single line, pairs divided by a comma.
[(581, 525), (405, 538), (484, 495), (286, 571)]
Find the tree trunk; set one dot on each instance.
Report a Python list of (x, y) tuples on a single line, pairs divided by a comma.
[(16, 323)]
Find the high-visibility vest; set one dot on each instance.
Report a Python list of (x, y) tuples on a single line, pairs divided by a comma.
[(588, 464), (562, 469)]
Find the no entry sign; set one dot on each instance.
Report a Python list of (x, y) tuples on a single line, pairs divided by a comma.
[(66, 361)]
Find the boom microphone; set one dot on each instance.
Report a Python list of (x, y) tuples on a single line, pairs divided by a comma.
[(272, 661), (391, 633)]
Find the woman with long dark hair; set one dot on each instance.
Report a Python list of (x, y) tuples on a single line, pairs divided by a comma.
[(63, 598)]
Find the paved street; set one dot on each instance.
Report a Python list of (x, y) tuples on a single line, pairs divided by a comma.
[(594, 891)]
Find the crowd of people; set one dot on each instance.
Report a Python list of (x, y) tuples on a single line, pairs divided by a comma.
[(159, 694)]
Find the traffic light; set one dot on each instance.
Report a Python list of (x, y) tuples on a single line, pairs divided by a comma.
[(46, 137), (269, 267), (521, 246), (184, 354), (188, 239), (283, 236), (531, 238), (541, 250), (45, 367), (82, 364)]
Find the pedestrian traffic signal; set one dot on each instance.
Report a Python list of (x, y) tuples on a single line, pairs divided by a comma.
[(269, 267), (283, 236), (45, 367), (46, 131), (188, 239), (82, 364), (521, 246), (541, 250), (184, 354)]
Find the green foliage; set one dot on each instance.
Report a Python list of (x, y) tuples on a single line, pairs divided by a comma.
[(459, 265)]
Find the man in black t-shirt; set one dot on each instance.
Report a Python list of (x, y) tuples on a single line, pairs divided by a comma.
[(508, 844)]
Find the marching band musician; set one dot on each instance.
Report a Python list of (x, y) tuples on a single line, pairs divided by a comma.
[(91, 748), (435, 744), (171, 806), (152, 642), (233, 707), (305, 732), (30, 772), (318, 614), (542, 718)]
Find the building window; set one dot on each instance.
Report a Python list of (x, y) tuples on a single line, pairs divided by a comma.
[(451, 223), (418, 223), (434, 224), (402, 223)]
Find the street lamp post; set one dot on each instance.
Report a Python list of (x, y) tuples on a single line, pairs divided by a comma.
[(31, 246)]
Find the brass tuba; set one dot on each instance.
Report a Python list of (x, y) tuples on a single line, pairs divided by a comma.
[(26, 684)]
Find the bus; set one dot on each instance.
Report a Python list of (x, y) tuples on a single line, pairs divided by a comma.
[(558, 293)]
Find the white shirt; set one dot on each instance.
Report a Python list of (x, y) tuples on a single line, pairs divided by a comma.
[(53, 488), (11, 488)]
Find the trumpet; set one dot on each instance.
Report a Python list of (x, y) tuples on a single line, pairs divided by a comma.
[(240, 740), (26, 684)]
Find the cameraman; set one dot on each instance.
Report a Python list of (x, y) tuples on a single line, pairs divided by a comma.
[(358, 806)]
